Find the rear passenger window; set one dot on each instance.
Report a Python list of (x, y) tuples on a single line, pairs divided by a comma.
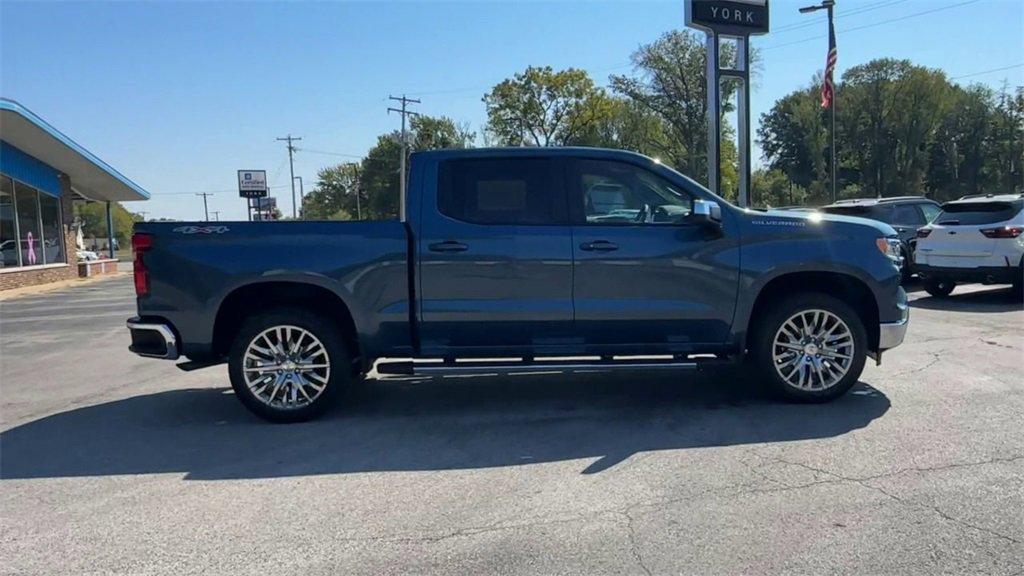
[(524, 191), (930, 211), (906, 214)]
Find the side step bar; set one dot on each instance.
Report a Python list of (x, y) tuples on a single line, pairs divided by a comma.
[(567, 364)]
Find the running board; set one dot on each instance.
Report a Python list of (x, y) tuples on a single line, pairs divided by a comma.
[(515, 366)]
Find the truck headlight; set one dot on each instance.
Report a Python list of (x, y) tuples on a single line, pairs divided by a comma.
[(891, 248)]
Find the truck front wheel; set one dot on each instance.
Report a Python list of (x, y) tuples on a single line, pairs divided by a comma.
[(287, 365), (809, 347)]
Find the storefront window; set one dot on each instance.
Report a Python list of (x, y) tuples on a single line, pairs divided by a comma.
[(26, 202), (8, 231), (30, 226), (49, 208)]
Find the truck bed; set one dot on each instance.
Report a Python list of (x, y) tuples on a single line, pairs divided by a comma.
[(363, 263)]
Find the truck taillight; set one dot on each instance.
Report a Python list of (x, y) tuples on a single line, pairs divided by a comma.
[(923, 232), (141, 243), (1003, 232)]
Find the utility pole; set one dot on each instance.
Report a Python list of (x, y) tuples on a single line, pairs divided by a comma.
[(291, 167), (359, 192), (401, 176), (216, 215), (206, 210), (142, 214), (302, 196)]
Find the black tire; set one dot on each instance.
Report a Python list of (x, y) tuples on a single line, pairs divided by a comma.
[(939, 288), (322, 329), (761, 361)]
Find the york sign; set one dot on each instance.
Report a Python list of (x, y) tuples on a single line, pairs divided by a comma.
[(728, 17)]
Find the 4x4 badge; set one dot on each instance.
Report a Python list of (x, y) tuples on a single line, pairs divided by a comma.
[(201, 229)]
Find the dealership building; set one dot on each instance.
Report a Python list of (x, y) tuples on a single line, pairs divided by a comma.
[(42, 174)]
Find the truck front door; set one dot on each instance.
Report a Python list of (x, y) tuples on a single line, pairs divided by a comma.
[(495, 256), (646, 277)]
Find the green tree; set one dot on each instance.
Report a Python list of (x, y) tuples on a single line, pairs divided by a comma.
[(334, 197), (93, 216), (374, 181), (670, 82), (541, 107), (794, 140), (773, 188), (889, 113)]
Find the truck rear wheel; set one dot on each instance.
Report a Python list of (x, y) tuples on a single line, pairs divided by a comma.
[(287, 365), (809, 348)]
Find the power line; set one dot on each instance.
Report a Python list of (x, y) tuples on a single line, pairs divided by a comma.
[(874, 24), (1011, 66), (328, 153), (847, 13)]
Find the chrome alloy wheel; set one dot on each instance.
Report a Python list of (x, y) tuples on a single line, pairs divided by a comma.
[(286, 367), (813, 350)]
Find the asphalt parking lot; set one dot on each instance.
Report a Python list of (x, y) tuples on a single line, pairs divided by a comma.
[(115, 464)]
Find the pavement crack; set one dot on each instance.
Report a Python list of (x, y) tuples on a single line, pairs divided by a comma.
[(936, 358), (865, 482), (634, 544), (996, 344)]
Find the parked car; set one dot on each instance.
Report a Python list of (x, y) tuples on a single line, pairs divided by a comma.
[(504, 254), (973, 239), (904, 213)]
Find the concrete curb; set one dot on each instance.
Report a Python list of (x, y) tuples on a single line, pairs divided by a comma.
[(53, 286)]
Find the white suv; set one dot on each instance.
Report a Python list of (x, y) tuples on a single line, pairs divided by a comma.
[(973, 239)]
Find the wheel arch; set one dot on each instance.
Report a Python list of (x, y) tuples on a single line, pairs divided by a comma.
[(848, 288), (270, 294)]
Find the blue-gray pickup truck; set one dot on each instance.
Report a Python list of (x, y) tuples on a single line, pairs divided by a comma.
[(520, 260)]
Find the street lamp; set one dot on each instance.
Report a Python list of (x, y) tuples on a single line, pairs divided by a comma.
[(830, 61), (302, 196)]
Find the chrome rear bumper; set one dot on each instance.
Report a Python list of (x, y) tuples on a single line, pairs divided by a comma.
[(153, 340)]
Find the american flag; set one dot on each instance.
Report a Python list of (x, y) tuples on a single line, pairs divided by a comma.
[(828, 89)]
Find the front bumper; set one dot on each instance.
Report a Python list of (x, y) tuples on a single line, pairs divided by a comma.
[(891, 334), (153, 339)]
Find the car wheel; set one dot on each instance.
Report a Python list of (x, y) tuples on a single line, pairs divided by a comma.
[(287, 365), (809, 347), (939, 288)]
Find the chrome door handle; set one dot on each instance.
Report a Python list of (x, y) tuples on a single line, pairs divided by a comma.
[(599, 246), (448, 246)]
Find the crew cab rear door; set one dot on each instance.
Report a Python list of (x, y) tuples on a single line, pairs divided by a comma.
[(495, 256), (645, 278)]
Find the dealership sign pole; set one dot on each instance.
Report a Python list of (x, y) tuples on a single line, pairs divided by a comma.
[(735, 20), (252, 184)]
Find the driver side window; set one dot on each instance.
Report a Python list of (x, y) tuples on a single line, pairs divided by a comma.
[(620, 193)]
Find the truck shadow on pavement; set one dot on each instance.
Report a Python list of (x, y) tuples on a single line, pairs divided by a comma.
[(419, 424)]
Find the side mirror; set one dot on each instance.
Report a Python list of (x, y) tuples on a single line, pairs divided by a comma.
[(705, 212)]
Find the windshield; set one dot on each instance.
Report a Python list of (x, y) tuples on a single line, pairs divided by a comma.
[(972, 213)]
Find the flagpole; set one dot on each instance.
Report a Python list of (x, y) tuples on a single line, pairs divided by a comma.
[(829, 89), (832, 132)]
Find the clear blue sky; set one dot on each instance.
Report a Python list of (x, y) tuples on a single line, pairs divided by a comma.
[(179, 95)]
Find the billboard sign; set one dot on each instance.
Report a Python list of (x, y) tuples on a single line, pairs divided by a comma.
[(728, 17), (252, 183), (267, 203)]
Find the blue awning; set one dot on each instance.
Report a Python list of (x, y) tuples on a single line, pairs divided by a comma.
[(90, 176)]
